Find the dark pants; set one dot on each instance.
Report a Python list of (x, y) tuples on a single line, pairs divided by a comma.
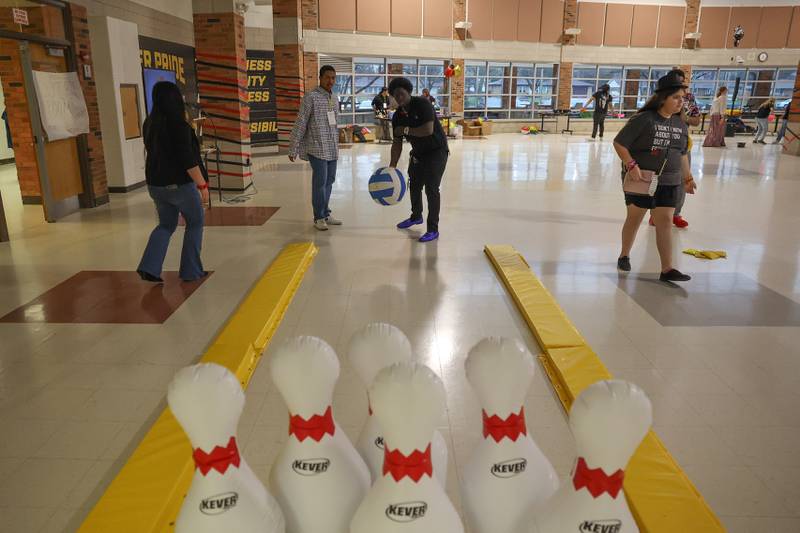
[(170, 202), (323, 174), (426, 172), (599, 123)]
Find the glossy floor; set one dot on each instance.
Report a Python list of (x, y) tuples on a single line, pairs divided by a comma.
[(75, 398)]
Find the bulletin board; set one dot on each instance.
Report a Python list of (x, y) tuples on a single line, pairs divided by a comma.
[(131, 114)]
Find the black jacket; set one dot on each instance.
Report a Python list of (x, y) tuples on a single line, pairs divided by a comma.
[(170, 155)]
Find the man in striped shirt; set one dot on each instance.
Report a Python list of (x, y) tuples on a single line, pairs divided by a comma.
[(315, 138)]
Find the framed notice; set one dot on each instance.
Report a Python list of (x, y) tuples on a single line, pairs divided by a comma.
[(131, 114)]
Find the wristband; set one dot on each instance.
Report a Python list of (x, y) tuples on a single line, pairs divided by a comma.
[(202, 187), (631, 164)]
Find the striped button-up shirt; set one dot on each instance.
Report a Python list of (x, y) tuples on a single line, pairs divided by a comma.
[(312, 133)]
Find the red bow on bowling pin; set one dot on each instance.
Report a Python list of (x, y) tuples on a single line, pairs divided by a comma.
[(512, 427), (219, 459), (414, 466), (315, 427), (596, 481)]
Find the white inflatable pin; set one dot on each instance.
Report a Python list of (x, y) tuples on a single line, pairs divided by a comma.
[(408, 401), (225, 495), (507, 474), (608, 420), (318, 477), (372, 349)]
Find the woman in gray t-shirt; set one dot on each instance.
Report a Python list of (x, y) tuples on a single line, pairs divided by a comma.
[(656, 139)]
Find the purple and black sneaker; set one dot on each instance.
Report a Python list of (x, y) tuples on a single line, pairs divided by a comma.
[(407, 223), (430, 236)]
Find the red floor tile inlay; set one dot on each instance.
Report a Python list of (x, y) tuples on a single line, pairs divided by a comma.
[(107, 297), (237, 215)]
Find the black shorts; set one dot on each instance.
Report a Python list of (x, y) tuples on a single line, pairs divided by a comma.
[(665, 196)]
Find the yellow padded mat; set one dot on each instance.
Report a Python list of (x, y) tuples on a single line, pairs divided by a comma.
[(660, 495), (147, 493)]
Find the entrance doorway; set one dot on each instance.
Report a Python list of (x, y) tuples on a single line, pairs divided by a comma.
[(54, 174)]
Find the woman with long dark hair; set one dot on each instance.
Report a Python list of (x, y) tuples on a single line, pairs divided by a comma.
[(716, 129), (653, 149), (176, 182)]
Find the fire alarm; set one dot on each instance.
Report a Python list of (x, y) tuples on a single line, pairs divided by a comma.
[(84, 56)]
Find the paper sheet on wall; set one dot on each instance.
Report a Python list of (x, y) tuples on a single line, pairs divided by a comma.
[(61, 104)]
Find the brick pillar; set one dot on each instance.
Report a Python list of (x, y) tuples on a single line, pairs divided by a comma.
[(310, 13), (311, 68), (457, 88), (564, 85), (691, 23), (687, 69), (222, 89), (289, 19), (632, 88), (459, 14), (91, 144), (570, 21), (19, 120), (791, 143)]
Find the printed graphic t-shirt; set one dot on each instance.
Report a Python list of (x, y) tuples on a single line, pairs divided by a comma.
[(650, 138), (601, 102)]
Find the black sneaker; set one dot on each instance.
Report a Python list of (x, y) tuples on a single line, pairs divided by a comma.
[(624, 263), (674, 275), (149, 277)]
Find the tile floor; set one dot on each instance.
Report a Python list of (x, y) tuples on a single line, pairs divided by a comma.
[(75, 398)]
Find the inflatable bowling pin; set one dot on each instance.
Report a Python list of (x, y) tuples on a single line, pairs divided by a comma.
[(507, 473), (318, 477), (408, 401), (225, 495), (608, 419), (371, 349)]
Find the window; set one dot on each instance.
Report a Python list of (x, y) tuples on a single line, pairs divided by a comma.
[(360, 79), (630, 85), (756, 85), (508, 90)]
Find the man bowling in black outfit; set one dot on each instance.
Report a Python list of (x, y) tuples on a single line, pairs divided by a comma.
[(415, 120)]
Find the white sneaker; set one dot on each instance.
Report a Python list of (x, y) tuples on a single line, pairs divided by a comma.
[(321, 225), (333, 221)]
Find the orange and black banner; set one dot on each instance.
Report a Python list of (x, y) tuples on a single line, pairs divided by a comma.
[(261, 95)]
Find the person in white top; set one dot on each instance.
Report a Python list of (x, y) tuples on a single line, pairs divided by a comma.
[(716, 129)]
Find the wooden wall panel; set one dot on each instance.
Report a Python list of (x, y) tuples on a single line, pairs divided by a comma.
[(591, 21), (794, 32), (552, 21), (373, 15), (337, 15), (529, 24), (504, 20), (480, 14), (773, 31), (670, 26), (714, 26), (437, 18), (749, 18), (645, 25), (407, 17), (619, 18)]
